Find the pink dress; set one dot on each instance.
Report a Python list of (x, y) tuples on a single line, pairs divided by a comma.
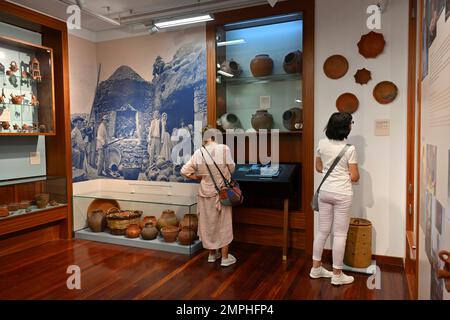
[(215, 227)]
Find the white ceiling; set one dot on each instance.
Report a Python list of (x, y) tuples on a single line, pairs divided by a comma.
[(131, 13)]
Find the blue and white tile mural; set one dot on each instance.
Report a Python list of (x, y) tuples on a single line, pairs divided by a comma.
[(139, 129)]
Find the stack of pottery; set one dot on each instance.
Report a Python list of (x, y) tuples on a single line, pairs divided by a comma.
[(262, 120), (261, 65), (96, 220), (170, 233), (42, 200), (168, 218), (190, 221), (293, 62), (149, 232), (148, 219), (4, 212), (293, 119), (186, 236), (132, 231)]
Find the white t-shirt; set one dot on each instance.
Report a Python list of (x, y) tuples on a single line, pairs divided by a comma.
[(339, 179)]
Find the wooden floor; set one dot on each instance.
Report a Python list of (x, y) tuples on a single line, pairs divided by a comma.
[(118, 272)]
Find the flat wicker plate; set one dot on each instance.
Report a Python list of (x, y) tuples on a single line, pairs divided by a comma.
[(335, 67), (347, 102), (385, 92)]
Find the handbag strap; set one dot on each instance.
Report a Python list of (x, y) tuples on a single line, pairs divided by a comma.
[(334, 164), (210, 173), (225, 180)]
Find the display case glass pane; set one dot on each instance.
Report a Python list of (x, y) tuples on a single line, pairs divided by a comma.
[(259, 73), (26, 80)]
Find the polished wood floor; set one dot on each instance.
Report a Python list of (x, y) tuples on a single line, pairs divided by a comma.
[(119, 272)]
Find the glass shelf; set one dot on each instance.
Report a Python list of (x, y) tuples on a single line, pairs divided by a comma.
[(162, 199), (259, 80)]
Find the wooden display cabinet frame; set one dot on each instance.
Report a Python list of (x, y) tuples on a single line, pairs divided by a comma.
[(34, 229), (263, 225)]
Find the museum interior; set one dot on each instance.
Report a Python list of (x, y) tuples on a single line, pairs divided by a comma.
[(102, 109)]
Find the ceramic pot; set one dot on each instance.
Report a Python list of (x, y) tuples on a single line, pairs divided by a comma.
[(42, 196), (5, 125), (132, 231), (17, 99), (96, 220), (293, 119), (170, 233), (41, 204), (148, 219), (231, 67), (13, 206), (229, 121), (262, 120), (292, 62), (24, 204), (4, 212), (261, 65), (189, 221), (168, 218), (186, 236), (149, 232)]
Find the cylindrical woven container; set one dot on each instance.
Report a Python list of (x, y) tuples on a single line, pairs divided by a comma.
[(358, 249)]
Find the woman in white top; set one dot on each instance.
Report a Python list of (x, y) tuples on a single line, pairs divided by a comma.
[(335, 197)]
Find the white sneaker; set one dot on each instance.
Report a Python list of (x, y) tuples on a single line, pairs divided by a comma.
[(320, 272), (214, 257), (341, 279), (229, 261)]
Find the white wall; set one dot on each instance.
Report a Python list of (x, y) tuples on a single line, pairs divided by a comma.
[(380, 195)]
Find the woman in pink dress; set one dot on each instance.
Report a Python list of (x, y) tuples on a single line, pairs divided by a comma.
[(215, 226)]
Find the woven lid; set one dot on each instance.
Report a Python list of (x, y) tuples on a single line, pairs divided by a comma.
[(360, 222)]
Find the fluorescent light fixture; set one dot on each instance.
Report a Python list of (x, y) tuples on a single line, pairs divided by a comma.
[(230, 43), (226, 74), (2, 55), (184, 21), (298, 100), (218, 66)]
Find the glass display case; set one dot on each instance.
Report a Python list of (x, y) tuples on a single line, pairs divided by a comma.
[(259, 74), (145, 220), (31, 195), (27, 97)]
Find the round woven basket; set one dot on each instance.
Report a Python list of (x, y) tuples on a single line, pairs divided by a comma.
[(358, 249), (118, 220)]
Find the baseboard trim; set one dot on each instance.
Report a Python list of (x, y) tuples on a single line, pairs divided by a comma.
[(381, 260)]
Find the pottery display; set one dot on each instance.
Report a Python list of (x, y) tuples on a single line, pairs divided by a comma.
[(385, 92), (4, 212), (170, 233), (148, 219), (261, 65), (13, 207), (262, 119), (293, 119), (231, 67), (17, 99), (132, 231), (168, 218), (190, 221), (335, 67), (347, 102), (118, 220), (363, 76), (229, 121), (186, 236), (293, 62), (96, 220), (24, 204), (371, 44), (149, 232)]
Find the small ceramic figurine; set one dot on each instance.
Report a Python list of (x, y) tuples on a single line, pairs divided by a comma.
[(35, 69), (12, 68), (17, 99), (5, 125), (16, 126), (34, 101)]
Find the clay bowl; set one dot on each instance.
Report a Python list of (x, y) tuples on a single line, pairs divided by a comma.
[(347, 102), (4, 212), (103, 205), (371, 45), (170, 233), (133, 231), (385, 92), (13, 206), (335, 67), (24, 204)]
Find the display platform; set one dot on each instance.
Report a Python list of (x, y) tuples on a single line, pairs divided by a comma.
[(372, 269), (157, 244)]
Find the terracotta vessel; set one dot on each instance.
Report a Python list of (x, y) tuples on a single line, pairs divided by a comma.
[(347, 102), (363, 76), (17, 99), (42, 196), (335, 67), (13, 66), (293, 119), (96, 220), (229, 121), (261, 65), (15, 126), (42, 200), (24, 204), (5, 125), (371, 44), (149, 232), (41, 204), (293, 61), (190, 221), (168, 218), (231, 67), (385, 92), (34, 101), (4, 212), (148, 219), (13, 206), (186, 236), (262, 120), (133, 231), (170, 233)]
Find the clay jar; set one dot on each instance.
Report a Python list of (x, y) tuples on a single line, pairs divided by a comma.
[(231, 67), (17, 99), (262, 120), (261, 65), (148, 219), (168, 218), (186, 236), (96, 220), (293, 119), (292, 62), (149, 232), (5, 125), (170, 233), (42, 200), (229, 121), (190, 221), (132, 231), (24, 204), (4, 212)]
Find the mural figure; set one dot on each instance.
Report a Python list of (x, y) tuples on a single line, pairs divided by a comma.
[(166, 149), (154, 137), (90, 139), (78, 145), (102, 147), (158, 66)]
